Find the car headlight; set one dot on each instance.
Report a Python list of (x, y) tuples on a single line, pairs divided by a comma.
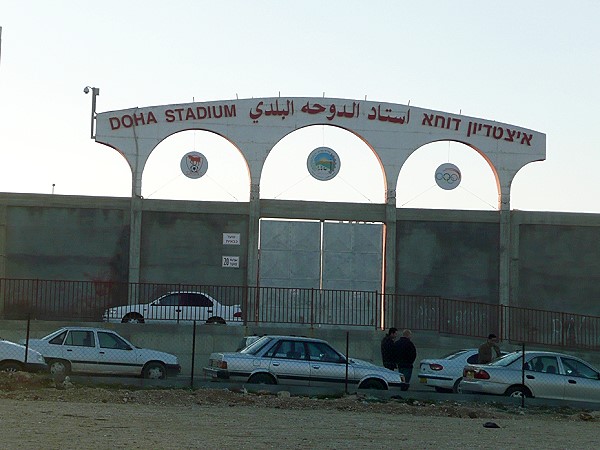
[(402, 378), (41, 359)]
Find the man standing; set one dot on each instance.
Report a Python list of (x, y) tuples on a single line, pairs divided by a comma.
[(387, 349), (406, 353), (489, 350)]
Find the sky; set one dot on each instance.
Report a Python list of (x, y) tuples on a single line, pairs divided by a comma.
[(533, 64)]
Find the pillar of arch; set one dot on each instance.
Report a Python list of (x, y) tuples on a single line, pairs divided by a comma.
[(254, 126)]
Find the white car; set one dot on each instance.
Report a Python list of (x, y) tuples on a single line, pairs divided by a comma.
[(445, 374), (177, 306), (100, 351), (12, 358), (540, 374), (300, 361)]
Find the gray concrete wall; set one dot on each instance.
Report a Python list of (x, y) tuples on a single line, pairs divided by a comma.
[(451, 255), (186, 247), (557, 258), (554, 257)]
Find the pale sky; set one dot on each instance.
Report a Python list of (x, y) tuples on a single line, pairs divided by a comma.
[(534, 64)]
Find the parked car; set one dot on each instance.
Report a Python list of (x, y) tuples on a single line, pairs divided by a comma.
[(177, 306), (12, 358), (445, 374), (302, 361), (246, 341), (546, 375), (100, 351)]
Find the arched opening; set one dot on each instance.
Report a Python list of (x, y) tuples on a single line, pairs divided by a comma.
[(227, 178), (285, 175), (417, 187)]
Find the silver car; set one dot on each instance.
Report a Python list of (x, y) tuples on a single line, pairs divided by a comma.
[(12, 358), (445, 374), (299, 361), (100, 351), (542, 374)]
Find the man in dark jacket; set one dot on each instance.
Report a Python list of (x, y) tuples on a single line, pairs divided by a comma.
[(387, 349), (406, 353), (489, 350)]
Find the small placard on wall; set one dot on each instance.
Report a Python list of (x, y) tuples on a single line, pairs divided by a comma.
[(231, 262), (231, 238)]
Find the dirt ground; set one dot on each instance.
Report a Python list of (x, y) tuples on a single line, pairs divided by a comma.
[(35, 413)]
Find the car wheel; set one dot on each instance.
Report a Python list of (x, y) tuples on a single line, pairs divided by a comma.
[(218, 320), (155, 371), (133, 318), (373, 384), (261, 378), (456, 388), (59, 367), (10, 366), (518, 392)]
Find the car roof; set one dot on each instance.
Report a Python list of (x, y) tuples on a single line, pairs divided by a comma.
[(298, 338), (70, 327)]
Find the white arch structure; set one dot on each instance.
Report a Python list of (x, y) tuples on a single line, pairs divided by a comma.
[(254, 126)]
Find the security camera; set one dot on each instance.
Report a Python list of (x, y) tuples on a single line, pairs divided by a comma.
[(86, 90)]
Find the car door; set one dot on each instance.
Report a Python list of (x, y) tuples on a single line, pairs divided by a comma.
[(288, 362), (582, 382), (196, 306), (166, 309), (116, 356), (327, 366), (79, 348), (543, 377)]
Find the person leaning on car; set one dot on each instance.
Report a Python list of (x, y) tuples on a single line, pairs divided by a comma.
[(406, 353), (387, 349), (489, 350)]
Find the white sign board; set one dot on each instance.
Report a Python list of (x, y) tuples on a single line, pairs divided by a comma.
[(231, 238), (231, 262)]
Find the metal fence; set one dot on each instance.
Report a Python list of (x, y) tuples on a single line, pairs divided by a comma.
[(90, 301)]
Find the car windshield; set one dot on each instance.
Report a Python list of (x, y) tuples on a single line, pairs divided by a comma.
[(255, 347), (51, 335)]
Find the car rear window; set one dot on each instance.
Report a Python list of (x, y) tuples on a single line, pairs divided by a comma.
[(257, 345)]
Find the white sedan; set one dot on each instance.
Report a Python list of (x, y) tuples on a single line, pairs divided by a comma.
[(445, 374), (177, 306), (301, 361), (540, 374), (100, 351), (12, 358)]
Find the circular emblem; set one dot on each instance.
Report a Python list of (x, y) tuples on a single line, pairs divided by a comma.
[(194, 164), (447, 176), (323, 163)]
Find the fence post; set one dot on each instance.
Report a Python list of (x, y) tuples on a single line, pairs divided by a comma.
[(347, 359), (193, 355), (523, 375), (312, 307), (27, 337)]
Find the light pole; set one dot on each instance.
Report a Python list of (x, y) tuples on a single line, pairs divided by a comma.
[(95, 92)]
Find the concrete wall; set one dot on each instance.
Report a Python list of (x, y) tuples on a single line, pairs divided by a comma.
[(453, 257), (554, 257)]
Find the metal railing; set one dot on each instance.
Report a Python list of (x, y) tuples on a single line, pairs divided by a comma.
[(89, 300)]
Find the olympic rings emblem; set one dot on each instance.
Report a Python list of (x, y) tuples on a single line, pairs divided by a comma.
[(448, 176)]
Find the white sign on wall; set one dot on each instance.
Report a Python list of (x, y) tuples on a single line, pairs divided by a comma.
[(231, 238), (232, 262)]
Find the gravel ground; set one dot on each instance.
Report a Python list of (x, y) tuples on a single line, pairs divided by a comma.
[(35, 413)]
